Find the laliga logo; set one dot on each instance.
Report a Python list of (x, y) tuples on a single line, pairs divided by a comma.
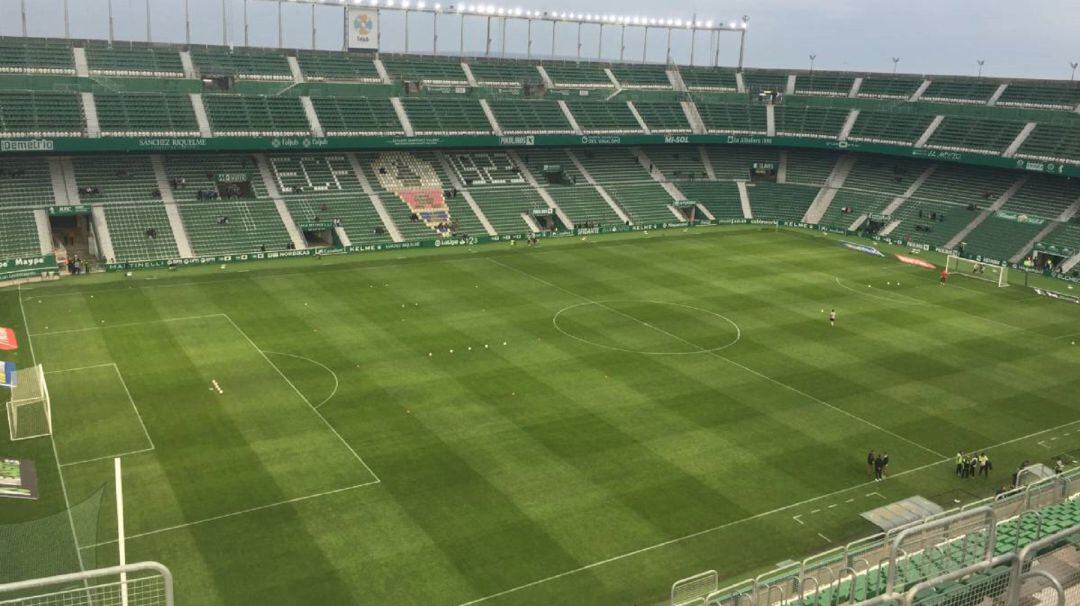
[(363, 25)]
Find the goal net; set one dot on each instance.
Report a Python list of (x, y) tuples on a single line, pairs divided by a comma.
[(969, 268), (29, 410)]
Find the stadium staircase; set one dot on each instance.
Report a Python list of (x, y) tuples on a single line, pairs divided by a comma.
[(547, 198), (498, 188), (376, 200), (420, 206), (832, 185), (612, 204), (474, 208), (871, 186), (23, 185), (898, 201), (176, 224), (984, 215), (658, 175), (272, 190)]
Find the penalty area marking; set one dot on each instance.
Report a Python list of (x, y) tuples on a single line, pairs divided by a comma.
[(603, 304), (320, 365)]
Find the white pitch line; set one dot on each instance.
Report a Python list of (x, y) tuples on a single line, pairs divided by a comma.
[(123, 325), (319, 364), (824, 537), (724, 358), (107, 457), (235, 513), (815, 511), (797, 519), (833, 505), (850, 501), (92, 366)]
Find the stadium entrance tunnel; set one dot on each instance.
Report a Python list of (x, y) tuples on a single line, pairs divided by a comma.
[(647, 327)]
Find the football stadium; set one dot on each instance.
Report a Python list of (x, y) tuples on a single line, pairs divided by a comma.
[(287, 325)]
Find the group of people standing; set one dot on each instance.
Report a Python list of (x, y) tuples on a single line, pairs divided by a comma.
[(968, 466), (877, 465)]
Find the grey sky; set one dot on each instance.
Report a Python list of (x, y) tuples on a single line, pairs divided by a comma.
[(1037, 39)]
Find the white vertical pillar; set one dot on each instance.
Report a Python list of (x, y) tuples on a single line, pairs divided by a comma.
[(406, 30), (622, 42), (110, 20), (693, 39), (600, 43), (187, 21), (502, 49), (149, 32), (645, 45), (579, 41), (553, 24), (487, 38), (67, 21), (668, 55), (121, 539), (24, 31)]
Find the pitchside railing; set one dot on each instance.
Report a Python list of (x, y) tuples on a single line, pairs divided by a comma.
[(868, 569), (143, 584)]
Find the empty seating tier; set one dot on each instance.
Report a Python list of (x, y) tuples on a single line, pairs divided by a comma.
[(241, 63), (398, 177), (25, 182), (353, 116), (32, 56), (580, 75), (629, 183), (765, 81), (436, 70), (889, 127), (326, 65), (733, 119), (125, 59), (999, 238), (431, 115), (735, 162), (678, 163), (824, 84), (1053, 143), (529, 116), (1066, 236), (1044, 196), (465, 220), (601, 117), (810, 167), (810, 121), (663, 117), (721, 198), (641, 76), (144, 114), (1064, 95), (960, 91), (889, 87), (773, 201), (578, 199), (18, 234), (503, 73), (256, 115), (709, 78), (960, 133), (40, 114)]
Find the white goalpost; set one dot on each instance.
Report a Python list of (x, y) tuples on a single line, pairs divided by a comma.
[(29, 410), (970, 268)]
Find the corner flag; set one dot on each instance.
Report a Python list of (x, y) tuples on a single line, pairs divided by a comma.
[(7, 374)]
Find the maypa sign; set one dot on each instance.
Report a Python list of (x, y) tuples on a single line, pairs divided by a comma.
[(363, 28)]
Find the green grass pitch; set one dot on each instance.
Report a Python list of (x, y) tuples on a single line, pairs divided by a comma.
[(579, 423)]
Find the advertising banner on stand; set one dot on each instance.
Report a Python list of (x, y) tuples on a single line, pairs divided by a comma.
[(363, 28)]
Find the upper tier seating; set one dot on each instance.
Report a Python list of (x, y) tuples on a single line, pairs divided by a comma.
[(889, 87), (709, 78), (332, 65), (36, 56), (889, 127), (734, 162), (974, 90), (663, 116), (810, 166), (578, 75), (733, 118), (435, 70), (756, 81), (256, 115), (529, 116), (146, 114), (959, 133), (504, 73), (446, 115), (321, 188), (678, 163), (641, 76), (130, 59), (241, 63), (604, 117), (40, 114), (353, 116), (574, 195), (1052, 143), (810, 121), (618, 171), (824, 84), (1058, 95)]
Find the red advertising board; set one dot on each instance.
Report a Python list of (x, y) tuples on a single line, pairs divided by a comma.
[(7, 339)]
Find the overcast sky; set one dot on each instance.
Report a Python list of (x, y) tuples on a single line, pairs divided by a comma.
[(1035, 39)]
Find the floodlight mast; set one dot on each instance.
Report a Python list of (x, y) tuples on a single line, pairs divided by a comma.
[(464, 10)]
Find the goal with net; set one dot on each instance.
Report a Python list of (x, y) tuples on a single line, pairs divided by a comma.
[(970, 268), (29, 410)]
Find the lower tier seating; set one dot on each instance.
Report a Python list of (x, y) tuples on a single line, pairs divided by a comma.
[(770, 200), (721, 198), (18, 234), (140, 232), (999, 239)]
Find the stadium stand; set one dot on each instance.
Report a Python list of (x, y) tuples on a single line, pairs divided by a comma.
[(720, 197), (889, 127), (948, 201), (663, 117), (130, 59), (24, 184), (327, 65), (713, 79), (810, 121), (604, 117), (1052, 143), (146, 114), (465, 221), (36, 56), (1065, 236), (1057, 95), (448, 116), (529, 116), (736, 162), (889, 87), (240, 63), (127, 188), (411, 192), (756, 81), (40, 114), (1044, 196), (871, 185), (252, 219), (322, 189), (960, 133), (256, 115), (357, 116), (999, 237), (733, 118), (578, 74), (498, 188), (574, 195), (782, 202), (678, 163), (641, 76), (433, 70), (618, 171), (503, 73), (973, 90), (810, 167), (824, 84)]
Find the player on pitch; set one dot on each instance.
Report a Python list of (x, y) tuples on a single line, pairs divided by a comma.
[(944, 276)]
